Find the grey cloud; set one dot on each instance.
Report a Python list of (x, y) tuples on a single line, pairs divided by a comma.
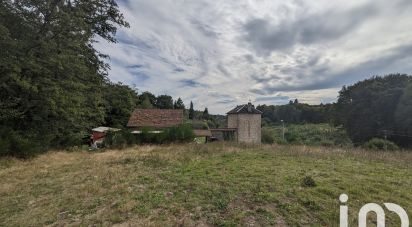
[(385, 64), (178, 70), (265, 37), (191, 83), (273, 98), (135, 66)]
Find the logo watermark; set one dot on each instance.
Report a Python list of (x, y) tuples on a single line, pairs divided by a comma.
[(372, 207)]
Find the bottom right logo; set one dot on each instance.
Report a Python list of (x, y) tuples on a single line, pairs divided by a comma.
[(372, 207)]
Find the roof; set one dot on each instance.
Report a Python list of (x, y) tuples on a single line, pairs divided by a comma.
[(105, 129), (203, 132), (245, 109), (158, 118)]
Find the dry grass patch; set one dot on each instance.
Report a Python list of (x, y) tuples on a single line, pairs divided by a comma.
[(200, 185)]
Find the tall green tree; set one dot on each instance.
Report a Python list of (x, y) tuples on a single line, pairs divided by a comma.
[(164, 102), (367, 108), (119, 102), (403, 116), (191, 111), (146, 104), (147, 96), (51, 76), (179, 104), (205, 114)]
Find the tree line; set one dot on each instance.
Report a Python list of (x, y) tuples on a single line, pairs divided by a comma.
[(379, 107)]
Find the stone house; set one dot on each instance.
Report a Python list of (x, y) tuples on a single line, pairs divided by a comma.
[(243, 125)]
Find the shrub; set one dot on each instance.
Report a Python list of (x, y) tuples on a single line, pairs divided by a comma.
[(180, 133), (119, 139), (291, 137), (267, 136), (308, 181), (19, 145), (196, 124), (380, 144)]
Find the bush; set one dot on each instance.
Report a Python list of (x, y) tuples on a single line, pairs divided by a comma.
[(119, 139), (267, 136), (308, 181), (180, 133), (291, 137), (380, 144), (19, 145), (196, 124), (124, 138)]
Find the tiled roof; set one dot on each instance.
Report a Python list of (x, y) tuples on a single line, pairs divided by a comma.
[(157, 118), (246, 108)]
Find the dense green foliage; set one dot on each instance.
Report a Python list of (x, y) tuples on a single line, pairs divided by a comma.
[(124, 138), (377, 107), (119, 102), (52, 78), (296, 113), (178, 104), (191, 111), (380, 144), (307, 134), (268, 136)]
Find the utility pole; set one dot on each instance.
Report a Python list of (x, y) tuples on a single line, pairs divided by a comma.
[(283, 130)]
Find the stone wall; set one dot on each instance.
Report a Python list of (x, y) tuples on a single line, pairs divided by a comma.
[(248, 127)]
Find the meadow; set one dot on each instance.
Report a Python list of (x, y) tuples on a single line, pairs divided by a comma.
[(309, 134), (216, 184)]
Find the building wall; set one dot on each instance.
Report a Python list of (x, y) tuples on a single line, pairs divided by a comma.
[(248, 127)]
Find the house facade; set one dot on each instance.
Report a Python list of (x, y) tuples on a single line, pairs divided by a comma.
[(247, 120), (243, 125)]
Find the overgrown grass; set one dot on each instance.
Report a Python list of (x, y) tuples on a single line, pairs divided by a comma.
[(310, 134), (212, 184)]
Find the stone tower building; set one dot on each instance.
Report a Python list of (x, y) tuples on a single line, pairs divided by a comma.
[(246, 119)]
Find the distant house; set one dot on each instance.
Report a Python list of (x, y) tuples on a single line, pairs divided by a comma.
[(157, 119), (243, 125)]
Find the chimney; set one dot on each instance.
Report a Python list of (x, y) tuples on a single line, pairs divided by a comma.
[(249, 107)]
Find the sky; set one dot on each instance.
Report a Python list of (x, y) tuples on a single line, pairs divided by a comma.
[(223, 53)]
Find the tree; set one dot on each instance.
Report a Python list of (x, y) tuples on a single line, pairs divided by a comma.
[(191, 111), (367, 108), (296, 102), (403, 116), (205, 115), (164, 102), (151, 99), (179, 104), (146, 104), (119, 101), (52, 76)]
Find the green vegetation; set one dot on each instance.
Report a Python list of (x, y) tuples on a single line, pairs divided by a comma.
[(53, 79), (215, 184), (377, 107), (124, 138), (380, 144), (306, 134)]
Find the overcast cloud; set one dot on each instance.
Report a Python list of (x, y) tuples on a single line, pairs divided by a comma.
[(222, 53)]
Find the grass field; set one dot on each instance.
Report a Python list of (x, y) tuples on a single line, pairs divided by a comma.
[(310, 134), (213, 184)]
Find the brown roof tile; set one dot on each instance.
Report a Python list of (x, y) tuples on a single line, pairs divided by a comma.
[(158, 118)]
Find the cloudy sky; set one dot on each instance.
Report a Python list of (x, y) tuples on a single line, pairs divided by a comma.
[(222, 53)]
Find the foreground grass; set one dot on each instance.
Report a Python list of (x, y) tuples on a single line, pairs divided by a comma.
[(214, 184)]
